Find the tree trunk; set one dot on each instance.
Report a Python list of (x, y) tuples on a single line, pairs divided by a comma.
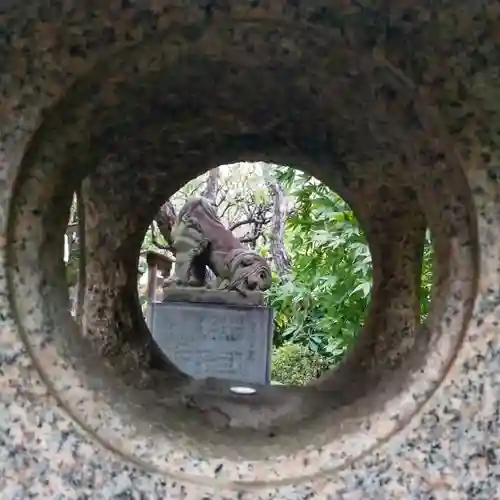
[(212, 186), (165, 219), (278, 252), (210, 193)]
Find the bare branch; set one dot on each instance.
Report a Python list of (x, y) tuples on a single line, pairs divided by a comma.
[(228, 206), (251, 239), (256, 220), (210, 190), (195, 188), (223, 197)]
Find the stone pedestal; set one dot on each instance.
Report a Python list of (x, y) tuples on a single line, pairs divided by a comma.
[(210, 333)]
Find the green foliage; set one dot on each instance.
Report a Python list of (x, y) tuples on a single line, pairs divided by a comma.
[(322, 303), (294, 364), (72, 268), (426, 279)]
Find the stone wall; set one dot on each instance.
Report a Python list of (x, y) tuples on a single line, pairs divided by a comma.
[(395, 109)]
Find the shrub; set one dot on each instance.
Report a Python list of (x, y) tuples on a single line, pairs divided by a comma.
[(294, 364), (321, 303)]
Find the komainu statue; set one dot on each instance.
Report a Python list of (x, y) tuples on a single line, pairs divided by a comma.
[(201, 240)]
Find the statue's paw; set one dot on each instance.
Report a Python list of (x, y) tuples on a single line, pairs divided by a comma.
[(175, 282), (195, 283), (168, 283)]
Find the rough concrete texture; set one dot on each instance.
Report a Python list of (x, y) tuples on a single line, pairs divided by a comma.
[(176, 293), (396, 108)]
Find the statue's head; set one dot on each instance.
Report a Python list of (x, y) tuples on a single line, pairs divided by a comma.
[(250, 271)]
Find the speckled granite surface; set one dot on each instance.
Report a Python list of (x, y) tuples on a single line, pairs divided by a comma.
[(395, 108)]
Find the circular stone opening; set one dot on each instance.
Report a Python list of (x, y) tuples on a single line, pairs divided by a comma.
[(111, 130), (318, 254)]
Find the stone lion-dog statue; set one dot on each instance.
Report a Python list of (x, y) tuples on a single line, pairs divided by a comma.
[(201, 240)]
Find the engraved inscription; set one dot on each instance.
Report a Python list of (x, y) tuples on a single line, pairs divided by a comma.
[(213, 340)]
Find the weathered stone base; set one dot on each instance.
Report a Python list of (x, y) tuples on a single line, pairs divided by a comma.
[(207, 296), (209, 335)]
